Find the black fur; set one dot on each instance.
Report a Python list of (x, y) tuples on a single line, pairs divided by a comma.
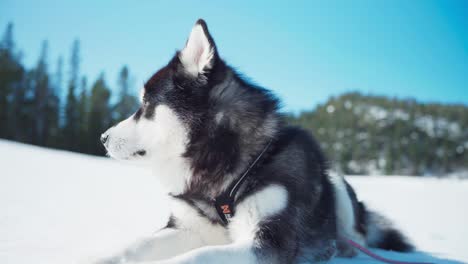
[(171, 223), (393, 240), (360, 213)]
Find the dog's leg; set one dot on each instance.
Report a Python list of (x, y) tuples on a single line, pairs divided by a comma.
[(164, 244), (226, 254), (257, 231), (186, 230)]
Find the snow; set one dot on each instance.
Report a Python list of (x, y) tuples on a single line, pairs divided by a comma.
[(431, 125), (438, 126), (61, 207)]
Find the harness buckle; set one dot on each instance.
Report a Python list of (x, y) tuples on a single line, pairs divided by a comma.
[(225, 208)]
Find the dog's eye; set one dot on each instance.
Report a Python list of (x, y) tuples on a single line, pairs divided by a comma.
[(145, 104)]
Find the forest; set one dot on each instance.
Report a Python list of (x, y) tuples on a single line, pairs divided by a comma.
[(360, 133), (33, 111), (368, 134)]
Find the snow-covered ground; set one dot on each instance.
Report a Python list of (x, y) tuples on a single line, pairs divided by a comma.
[(58, 207)]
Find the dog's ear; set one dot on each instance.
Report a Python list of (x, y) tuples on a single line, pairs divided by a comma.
[(199, 53)]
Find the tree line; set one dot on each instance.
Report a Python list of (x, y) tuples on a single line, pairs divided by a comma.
[(33, 110)]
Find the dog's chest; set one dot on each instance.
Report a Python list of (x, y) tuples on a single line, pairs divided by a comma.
[(187, 209)]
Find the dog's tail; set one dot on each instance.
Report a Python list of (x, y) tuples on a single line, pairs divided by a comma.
[(372, 229), (380, 233)]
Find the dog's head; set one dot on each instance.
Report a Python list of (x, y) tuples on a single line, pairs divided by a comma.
[(171, 102)]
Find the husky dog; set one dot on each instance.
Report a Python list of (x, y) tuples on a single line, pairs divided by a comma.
[(207, 133)]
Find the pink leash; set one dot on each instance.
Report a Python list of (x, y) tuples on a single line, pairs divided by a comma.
[(377, 257)]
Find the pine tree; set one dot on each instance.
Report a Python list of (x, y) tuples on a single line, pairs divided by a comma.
[(41, 98), (58, 85), (53, 108), (99, 116), (23, 109), (83, 114), (71, 127), (11, 77), (127, 103)]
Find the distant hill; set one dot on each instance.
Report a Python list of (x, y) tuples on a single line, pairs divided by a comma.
[(364, 134)]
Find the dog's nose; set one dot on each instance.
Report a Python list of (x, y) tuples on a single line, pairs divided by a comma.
[(104, 138)]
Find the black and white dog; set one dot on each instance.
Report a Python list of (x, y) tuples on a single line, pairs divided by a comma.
[(245, 187)]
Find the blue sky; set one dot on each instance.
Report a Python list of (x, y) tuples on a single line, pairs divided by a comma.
[(305, 51)]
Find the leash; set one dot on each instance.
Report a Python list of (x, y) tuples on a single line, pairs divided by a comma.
[(378, 257), (224, 203)]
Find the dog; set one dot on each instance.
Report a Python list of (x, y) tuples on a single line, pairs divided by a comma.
[(244, 186)]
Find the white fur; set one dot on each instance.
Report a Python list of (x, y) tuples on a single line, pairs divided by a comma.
[(344, 210), (189, 219), (141, 94), (267, 202), (219, 116), (198, 53), (164, 138), (171, 138)]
